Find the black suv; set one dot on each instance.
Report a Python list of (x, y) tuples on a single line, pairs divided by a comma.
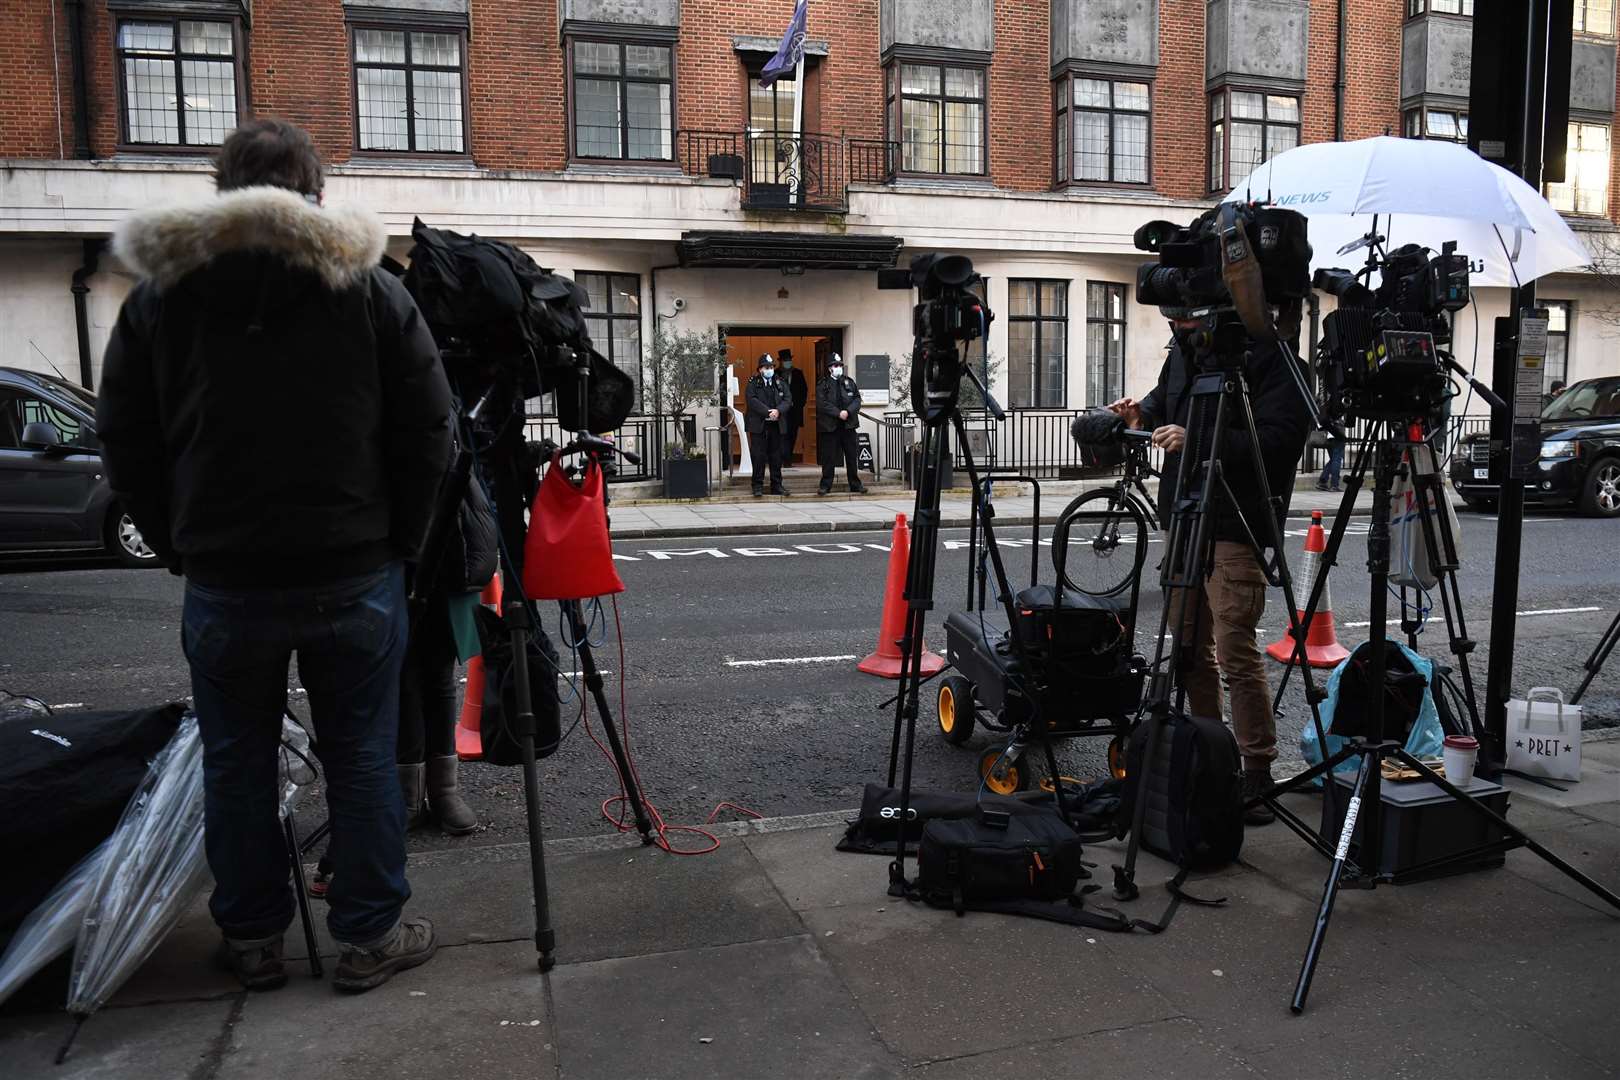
[(53, 490), (1579, 459)]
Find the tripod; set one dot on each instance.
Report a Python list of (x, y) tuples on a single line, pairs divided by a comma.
[(1362, 820), (1218, 395), (1600, 653), (938, 421)]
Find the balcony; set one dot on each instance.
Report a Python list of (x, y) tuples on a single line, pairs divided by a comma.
[(807, 172)]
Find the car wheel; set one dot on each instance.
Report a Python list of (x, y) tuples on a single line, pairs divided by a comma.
[(125, 542), (1600, 495)]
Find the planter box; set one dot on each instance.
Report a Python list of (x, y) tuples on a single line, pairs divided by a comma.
[(686, 479)]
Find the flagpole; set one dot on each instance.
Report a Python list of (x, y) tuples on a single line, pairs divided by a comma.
[(798, 124)]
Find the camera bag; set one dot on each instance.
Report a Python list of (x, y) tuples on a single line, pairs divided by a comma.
[(502, 742), (1194, 792), (1026, 864)]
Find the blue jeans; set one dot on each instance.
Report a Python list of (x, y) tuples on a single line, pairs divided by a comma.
[(350, 640), (1335, 463)]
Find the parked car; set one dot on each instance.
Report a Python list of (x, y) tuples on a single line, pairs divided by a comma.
[(1579, 457), (54, 494)]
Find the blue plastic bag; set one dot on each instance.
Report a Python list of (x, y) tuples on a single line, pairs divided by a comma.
[(1423, 743)]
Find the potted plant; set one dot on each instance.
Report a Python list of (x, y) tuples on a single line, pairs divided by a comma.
[(687, 365), (686, 471)]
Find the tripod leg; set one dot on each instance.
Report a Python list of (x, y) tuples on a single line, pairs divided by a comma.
[(594, 682), (1600, 655), (1330, 891), (517, 618), (1506, 826), (301, 890)]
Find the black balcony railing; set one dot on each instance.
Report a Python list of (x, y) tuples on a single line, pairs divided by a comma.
[(782, 171), (873, 161)]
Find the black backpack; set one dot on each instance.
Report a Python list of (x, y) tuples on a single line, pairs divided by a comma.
[(1194, 792), (497, 731)]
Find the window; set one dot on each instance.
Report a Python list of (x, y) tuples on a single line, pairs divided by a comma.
[(624, 100), (178, 81), (1105, 342), (770, 116), (19, 409), (1414, 8), (1585, 189), (408, 91), (1556, 365), (1446, 125), (938, 115), (1037, 343), (613, 318), (1245, 129), (1106, 123), (1594, 17)]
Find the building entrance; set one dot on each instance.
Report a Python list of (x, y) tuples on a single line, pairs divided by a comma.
[(810, 348)]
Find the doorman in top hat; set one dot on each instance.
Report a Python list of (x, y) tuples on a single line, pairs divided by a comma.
[(838, 415), (769, 401), (800, 388)]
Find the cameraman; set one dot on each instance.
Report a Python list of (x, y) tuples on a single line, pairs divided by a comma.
[(1235, 590)]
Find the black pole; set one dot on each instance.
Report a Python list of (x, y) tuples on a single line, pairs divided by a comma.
[(81, 308), (1509, 437)]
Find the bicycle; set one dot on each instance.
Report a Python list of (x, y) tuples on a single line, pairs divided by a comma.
[(1106, 522)]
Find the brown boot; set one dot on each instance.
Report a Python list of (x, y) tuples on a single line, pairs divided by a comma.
[(411, 943), (1256, 781), (444, 799)]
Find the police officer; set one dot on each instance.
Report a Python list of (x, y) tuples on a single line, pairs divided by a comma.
[(838, 415), (769, 400)]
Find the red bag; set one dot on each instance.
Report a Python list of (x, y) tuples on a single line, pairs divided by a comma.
[(568, 555)]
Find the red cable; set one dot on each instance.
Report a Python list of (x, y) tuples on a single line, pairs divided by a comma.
[(661, 829)]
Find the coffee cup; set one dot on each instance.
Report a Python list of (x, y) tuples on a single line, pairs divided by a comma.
[(1460, 753)]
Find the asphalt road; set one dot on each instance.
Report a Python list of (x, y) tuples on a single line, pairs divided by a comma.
[(739, 673)]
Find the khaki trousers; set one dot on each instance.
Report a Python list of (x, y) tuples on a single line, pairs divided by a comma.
[(1224, 640)]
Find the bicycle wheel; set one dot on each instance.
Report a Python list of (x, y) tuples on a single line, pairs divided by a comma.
[(1100, 543)]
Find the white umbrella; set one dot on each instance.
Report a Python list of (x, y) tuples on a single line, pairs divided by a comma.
[(1436, 191)]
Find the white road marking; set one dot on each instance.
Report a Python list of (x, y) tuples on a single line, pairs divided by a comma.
[(69, 705), (791, 660), (1520, 614)]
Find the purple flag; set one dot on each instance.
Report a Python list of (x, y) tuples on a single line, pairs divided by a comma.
[(791, 51)]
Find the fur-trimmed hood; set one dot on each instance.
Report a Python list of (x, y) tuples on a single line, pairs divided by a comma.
[(342, 245)]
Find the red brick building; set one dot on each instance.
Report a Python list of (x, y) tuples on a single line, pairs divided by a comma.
[(629, 141)]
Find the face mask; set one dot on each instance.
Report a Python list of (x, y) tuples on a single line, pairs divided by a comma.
[(787, 365), (837, 372), (768, 373)]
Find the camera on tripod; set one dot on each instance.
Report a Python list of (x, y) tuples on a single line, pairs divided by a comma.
[(1382, 353), (947, 315), (1237, 259)]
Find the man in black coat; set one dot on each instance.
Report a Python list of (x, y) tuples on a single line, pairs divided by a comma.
[(800, 389), (769, 400), (838, 415), (1235, 591), (275, 418)]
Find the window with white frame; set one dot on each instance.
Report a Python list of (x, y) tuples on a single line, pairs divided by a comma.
[(1105, 342)]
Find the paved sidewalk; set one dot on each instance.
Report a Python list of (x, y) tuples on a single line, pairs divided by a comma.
[(808, 512), (778, 957)]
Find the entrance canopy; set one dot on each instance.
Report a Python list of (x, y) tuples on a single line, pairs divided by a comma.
[(746, 249)]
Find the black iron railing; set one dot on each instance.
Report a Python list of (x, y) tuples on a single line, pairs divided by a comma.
[(712, 153), (638, 434), (873, 161)]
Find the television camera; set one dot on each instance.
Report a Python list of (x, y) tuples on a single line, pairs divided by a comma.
[(947, 315), (1383, 354)]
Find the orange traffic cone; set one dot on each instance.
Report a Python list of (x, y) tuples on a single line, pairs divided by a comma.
[(469, 742), (886, 660), (1322, 648)]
